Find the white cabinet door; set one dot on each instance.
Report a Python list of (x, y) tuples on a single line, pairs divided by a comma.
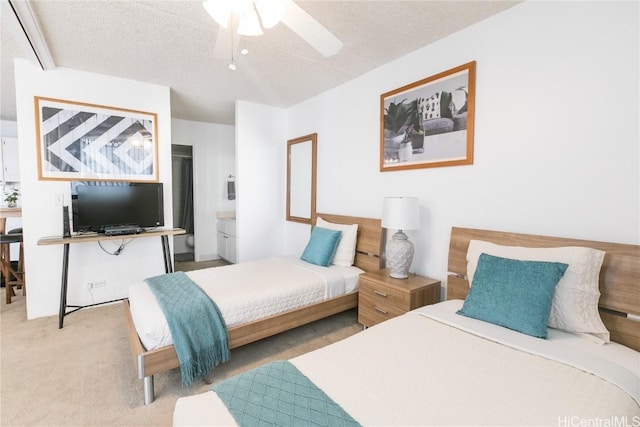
[(10, 162), (231, 249), (227, 240), (227, 247), (222, 244)]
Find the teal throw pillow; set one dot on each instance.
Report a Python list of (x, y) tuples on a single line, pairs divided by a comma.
[(512, 293), (322, 246)]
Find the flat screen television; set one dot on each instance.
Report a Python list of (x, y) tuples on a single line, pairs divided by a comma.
[(100, 205)]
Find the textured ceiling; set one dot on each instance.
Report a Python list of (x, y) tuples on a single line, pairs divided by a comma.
[(170, 43)]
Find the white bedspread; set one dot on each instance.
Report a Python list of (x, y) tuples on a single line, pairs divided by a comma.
[(418, 369), (245, 292)]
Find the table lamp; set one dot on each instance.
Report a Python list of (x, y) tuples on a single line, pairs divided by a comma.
[(400, 213)]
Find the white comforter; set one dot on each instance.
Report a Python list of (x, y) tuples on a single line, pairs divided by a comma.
[(433, 367), (245, 292)]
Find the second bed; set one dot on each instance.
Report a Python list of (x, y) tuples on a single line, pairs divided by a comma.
[(257, 299)]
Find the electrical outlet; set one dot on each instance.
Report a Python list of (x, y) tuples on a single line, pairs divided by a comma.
[(97, 284)]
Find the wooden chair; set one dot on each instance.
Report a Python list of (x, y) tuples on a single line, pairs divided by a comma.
[(12, 277)]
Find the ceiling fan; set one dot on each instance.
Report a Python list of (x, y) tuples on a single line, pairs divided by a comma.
[(250, 17)]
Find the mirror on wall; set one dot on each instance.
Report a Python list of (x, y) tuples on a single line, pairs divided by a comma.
[(301, 178)]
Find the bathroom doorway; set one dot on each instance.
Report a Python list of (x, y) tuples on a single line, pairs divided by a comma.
[(182, 170)]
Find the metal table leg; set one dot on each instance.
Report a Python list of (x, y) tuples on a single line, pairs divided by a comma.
[(63, 286), (168, 267)]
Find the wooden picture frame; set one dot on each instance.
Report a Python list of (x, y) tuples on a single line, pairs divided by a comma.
[(87, 142), (301, 178), (429, 123)]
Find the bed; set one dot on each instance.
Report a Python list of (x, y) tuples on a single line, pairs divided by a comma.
[(151, 343), (433, 366)]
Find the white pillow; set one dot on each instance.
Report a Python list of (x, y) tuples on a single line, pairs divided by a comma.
[(575, 303), (346, 252)]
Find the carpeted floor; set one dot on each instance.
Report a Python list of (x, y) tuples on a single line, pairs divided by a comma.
[(84, 374)]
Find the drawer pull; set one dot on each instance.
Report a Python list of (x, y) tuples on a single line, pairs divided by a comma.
[(382, 294), (380, 310)]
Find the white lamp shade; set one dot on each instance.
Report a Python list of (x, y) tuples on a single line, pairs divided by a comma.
[(401, 213), (271, 12), (220, 10), (249, 23)]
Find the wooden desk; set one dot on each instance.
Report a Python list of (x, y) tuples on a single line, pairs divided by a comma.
[(8, 213), (86, 238)]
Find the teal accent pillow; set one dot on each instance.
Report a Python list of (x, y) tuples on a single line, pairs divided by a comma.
[(322, 246), (513, 293)]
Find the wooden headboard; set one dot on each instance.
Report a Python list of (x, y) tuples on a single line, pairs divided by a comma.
[(371, 239), (619, 276)]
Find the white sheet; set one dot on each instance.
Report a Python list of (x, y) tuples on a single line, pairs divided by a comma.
[(616, 363), (414, 370), (245, 292)]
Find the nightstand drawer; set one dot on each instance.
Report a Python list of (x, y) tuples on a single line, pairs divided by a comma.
[(372, 310), (381, 297), (384, 294)]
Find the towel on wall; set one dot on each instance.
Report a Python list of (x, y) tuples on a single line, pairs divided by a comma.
[(231, 190)]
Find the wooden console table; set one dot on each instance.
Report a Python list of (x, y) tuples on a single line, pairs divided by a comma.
[(86, 238), (8, 213)]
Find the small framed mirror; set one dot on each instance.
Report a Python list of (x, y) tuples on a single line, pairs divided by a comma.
[(301, 178)]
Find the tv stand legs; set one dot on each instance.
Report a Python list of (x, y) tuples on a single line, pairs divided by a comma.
[(166, 251), (149, 396), (168, 268), (63, 286)]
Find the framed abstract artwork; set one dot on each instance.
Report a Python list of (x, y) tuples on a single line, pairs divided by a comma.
[(87, 142), (429, 123)]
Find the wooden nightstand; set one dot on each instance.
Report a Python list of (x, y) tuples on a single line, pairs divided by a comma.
[(381, 297)]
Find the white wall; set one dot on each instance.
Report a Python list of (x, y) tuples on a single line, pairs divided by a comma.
[(556, 136), (260, 157), (213, 161), (8, 128), (41, 214), (556, 146)]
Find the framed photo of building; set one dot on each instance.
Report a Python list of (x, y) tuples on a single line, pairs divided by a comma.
[(429, 123), (86, 142)]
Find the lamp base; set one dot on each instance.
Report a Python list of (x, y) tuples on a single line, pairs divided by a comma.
[(399, 255)]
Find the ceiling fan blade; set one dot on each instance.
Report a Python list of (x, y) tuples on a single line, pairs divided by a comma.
[(310, 30), (227, 42)]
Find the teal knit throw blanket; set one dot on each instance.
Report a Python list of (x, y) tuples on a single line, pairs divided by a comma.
[(198, 330), (278, 394)]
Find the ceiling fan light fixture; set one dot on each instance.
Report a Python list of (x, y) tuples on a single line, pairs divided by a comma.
[(271, 12), (220, 10), (249, 23)]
